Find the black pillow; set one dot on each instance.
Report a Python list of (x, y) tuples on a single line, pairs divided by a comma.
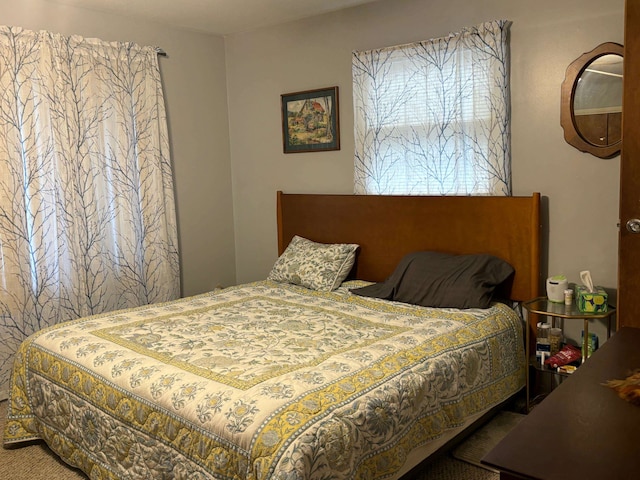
[(435, 279)]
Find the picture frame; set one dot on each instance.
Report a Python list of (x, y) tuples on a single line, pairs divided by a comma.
[(310, 121)]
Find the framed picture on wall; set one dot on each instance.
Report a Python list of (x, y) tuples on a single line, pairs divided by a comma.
[(310, 121)]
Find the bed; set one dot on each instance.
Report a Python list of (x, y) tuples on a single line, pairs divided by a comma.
[(281, 380)]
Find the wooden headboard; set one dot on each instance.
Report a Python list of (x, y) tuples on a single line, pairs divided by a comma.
[(388, 227)]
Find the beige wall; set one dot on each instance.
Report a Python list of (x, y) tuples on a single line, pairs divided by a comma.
[(580, 191), (195, 94)]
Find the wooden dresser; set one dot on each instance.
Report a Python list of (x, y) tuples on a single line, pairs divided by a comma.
[(582, 430)]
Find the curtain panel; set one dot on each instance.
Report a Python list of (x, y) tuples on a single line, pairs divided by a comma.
[(87, 215), (433, 118)]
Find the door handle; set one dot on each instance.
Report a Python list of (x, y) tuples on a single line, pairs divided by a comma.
[(633, 225)]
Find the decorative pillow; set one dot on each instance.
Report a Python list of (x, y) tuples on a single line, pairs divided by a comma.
[(317, 266), (434, 279)]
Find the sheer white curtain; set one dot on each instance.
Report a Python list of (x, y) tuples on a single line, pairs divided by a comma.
[(433, 118), (87, 216)]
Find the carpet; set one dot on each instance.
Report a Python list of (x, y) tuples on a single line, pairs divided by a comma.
[(445, 467), (482, 441)]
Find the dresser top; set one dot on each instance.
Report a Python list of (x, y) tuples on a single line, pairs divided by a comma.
[(583, 429)]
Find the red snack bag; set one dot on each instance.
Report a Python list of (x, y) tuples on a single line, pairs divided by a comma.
[(566, 355)]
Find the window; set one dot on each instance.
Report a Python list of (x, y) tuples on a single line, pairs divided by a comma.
[(433, 118)]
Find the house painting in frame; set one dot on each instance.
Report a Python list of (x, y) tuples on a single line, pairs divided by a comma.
[(310, 121)]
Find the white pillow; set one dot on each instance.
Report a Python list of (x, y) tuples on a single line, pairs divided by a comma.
[(317, 266)]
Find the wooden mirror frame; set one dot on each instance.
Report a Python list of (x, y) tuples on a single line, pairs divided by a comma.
[(567, 117)]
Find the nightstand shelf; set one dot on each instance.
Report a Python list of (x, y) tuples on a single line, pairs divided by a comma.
[(543, 306)]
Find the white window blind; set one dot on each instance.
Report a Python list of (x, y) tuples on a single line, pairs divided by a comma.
[(433, 118)]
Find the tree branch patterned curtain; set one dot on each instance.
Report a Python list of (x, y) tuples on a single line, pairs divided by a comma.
[(433, 118), (87, 215)]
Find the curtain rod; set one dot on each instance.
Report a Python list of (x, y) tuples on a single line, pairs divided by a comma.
[(161, 52)]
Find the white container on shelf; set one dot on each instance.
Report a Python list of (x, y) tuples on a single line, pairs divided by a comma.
[(556, 286)]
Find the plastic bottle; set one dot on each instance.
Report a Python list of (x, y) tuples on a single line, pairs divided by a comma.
[(555, 339)]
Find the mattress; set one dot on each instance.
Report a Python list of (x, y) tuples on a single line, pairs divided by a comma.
[(261, 381)]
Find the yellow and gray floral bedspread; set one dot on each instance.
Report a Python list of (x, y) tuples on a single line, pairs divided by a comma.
[(260, 381)]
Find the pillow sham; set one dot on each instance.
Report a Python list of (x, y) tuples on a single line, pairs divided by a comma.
[(435, 279), (317, 266)]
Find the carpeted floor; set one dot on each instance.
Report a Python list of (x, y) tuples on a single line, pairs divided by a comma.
[(37, 462), (481, 442)]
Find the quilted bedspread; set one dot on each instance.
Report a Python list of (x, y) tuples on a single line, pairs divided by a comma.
[(260, 381)]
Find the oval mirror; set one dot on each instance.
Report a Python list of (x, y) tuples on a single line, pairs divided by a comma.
[(591, 103)]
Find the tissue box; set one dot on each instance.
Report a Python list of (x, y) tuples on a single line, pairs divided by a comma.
[(591, 302)]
